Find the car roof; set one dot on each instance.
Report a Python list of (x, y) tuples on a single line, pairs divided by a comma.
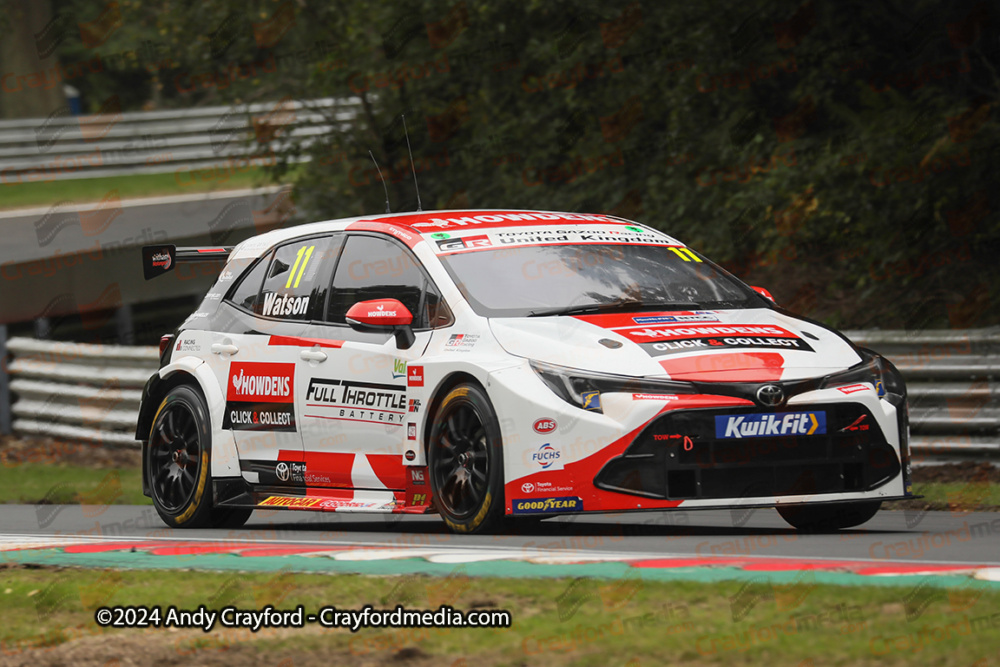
[(411, 226)]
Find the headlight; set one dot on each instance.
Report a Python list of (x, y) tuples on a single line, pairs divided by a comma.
[(873, 369), (584, 388)]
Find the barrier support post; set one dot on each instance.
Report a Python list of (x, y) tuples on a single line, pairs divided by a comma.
[(5, 412), (123, 322)]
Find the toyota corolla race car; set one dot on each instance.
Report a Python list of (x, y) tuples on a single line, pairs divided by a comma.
[(496, 365)]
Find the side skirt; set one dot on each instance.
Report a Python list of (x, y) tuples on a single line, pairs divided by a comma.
[(237, 492)]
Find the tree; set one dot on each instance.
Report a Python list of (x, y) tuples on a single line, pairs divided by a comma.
[(841, 154)]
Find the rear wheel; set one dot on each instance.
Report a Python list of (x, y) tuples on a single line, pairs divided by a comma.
[(178, 464), (829, 517), (465, 461)]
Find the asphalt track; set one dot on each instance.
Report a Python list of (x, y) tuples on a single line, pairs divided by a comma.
[(924, 538)]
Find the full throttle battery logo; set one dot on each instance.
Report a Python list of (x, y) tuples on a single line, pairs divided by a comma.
[(260, 397)]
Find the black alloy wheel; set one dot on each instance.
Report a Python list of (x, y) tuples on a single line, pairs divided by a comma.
[(178, 463), (175, 456), (465, 459)]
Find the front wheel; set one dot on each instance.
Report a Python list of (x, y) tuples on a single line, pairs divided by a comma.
[(465, 461), (829, 517)]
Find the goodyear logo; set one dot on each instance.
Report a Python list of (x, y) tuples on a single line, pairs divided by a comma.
[(536, 505), (592, 400), (763, 426)]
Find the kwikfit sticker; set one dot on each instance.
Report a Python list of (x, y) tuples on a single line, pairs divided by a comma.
[(770, 425)]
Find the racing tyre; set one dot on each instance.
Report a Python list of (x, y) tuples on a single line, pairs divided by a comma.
[(230, 517), (465, 461), (178, 460), (829, 518)]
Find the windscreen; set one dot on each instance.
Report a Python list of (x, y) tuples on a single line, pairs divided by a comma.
[(548, 280)]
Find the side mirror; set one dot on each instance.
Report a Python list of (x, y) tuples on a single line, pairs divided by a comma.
[(764, 293), (383, 316)]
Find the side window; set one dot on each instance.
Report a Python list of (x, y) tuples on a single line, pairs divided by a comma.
[(245, 293), (374, 268), (438, 312), (295, 283)]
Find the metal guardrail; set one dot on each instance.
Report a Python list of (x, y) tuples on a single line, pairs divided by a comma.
[(954, 394), (92, 392), (114, 143), (77, 391)]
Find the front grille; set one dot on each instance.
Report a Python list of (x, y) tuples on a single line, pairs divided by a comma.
[(682, 455)]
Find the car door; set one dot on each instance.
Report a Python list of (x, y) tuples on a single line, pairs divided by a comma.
[(270, 310), (355, 413)]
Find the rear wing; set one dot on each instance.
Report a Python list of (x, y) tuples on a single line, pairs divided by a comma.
[(159, 259)]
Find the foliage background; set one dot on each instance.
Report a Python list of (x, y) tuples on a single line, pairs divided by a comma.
[(841, 154)]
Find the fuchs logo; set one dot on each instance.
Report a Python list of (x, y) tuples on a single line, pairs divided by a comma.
[(548, 457), (544, 426), (415, 376), (762, 426), (279, 305)]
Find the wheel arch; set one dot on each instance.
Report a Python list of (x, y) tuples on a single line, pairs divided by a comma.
[(195, 373), (153, 393), (449, 383)]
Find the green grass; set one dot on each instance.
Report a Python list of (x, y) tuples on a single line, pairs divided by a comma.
[(971, 496), (92, 190), (555, 621), (33, 483)]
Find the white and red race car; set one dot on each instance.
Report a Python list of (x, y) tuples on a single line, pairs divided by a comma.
[(491, 365)]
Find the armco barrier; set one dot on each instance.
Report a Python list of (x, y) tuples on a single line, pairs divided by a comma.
[(91, 392), (951, 378), (76, 391), (146, 142)]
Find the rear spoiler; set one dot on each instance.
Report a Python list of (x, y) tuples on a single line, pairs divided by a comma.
[(159, 259)]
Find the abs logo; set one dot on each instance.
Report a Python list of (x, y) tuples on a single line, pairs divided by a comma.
[(548, 457), (544, 426)]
